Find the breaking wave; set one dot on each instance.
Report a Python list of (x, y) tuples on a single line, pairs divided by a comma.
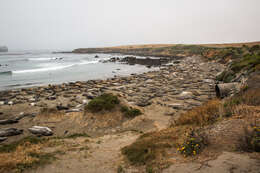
[(59, 67)]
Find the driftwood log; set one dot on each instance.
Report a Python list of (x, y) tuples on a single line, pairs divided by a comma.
[(38, 130), (226, 89), (73, 110), (10, 132)]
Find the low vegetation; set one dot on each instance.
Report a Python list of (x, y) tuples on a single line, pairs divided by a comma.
[(251, 141), (244, 59), (185, 134), (105, 102), (206, 114), (130, 112), (24, 154), (76, 135), (193, 144), (248, 97), (152, 146), (249, 62)]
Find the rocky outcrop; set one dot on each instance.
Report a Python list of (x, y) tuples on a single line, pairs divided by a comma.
[(3, 49)]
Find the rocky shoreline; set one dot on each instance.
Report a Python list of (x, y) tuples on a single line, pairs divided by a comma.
[(176, 87)]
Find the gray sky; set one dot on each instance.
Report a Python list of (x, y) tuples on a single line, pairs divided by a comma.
[(68, 24)]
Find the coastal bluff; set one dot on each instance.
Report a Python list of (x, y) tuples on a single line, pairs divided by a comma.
[(3, 49)]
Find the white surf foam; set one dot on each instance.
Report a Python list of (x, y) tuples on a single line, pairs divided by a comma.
[(53, 68), (43, 59), (87, 62), (41, 69)]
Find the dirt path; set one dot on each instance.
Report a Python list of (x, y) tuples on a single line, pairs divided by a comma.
[(91, 155)]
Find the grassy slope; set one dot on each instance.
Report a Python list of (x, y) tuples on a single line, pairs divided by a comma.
[(162, 49)]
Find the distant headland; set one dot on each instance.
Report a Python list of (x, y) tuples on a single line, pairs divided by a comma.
[(3, 49)]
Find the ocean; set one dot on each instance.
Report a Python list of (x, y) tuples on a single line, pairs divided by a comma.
[(36, 68)]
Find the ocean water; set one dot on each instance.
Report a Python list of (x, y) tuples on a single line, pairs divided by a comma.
[(26, 69)]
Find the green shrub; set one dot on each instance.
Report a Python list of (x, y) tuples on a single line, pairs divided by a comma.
[(226, 76), (140, 153), (130, 112), (193, 145), (251, 140), (104, 102), (248, 62)]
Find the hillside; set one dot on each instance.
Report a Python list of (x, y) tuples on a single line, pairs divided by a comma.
[(3, 49), (165, 50)]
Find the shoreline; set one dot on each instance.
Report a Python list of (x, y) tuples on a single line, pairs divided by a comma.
[(136, 89)]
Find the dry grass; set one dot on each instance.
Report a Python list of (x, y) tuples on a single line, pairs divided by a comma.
[(205, 114), (223, 45), (142, 46), (246, 102), (24, 154)]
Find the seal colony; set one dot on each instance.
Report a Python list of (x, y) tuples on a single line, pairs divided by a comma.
[(85, 139)]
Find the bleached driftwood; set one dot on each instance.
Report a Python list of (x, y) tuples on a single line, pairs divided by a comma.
[(73, 110), (39, 130)]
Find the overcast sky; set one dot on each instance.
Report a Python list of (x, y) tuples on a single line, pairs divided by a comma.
[(69, 24)]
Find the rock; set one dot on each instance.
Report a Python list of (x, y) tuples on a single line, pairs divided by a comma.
[(10, 132), (39, 130), (2, 139), (10, 121)]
